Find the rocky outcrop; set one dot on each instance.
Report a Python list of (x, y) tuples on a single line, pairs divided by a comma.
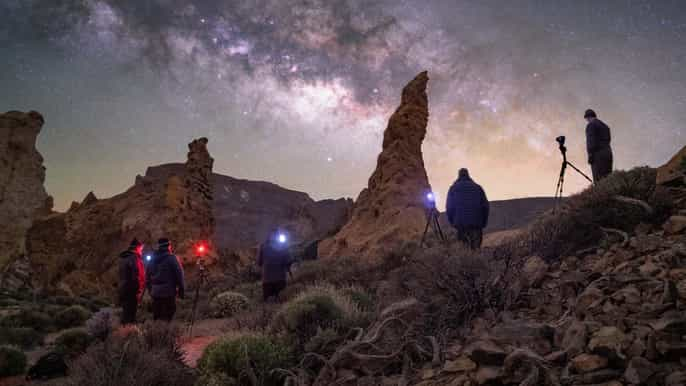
[(77, 250), (22, 195), (390, 212), (673, 171)]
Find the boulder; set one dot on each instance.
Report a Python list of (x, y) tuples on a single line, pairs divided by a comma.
[(639, 370), (486, 374), (677, 378), (575, 338), (460, 364), (675, 225), (534, 271), (585, 363), (486, 353), (608, 342), (391, 211), (672, 173)]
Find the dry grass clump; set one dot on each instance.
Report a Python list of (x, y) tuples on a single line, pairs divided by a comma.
[(227, 304), (149, 357)]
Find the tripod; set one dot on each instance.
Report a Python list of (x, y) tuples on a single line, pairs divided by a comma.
[(432, 219), (202, 278), (561, 179)]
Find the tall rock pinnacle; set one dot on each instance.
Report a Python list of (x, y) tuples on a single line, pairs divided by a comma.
[(390, 211), (22, 195)]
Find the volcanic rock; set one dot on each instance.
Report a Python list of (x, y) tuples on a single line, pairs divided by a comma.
[(586, 363), (22, 195), (673, 171), (391, 212), (675, 224), (78, 249)]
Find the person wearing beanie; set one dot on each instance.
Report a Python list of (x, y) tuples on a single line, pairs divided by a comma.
[(467, 208), (598, 146), (131, 281), (165, 281)]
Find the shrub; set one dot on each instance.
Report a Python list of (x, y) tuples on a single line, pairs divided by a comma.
[(73, 342), (27, 317), (24, 337), (227, 304), (317, 306), (324, 342), (12, 361), (360, 297), (129, 360), (579, 223), (73, 316), (239, 357), (99, 326)]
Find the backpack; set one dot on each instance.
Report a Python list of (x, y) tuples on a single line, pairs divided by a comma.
[(50, 365)]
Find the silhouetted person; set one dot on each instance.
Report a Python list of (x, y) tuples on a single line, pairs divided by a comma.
[(598, 146), (165, 281), (275, 260), (467, 209), (131, 281)]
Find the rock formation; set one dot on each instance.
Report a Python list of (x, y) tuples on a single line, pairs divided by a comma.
[(673, 171), (22, 195), (390, 212), (77, 250)]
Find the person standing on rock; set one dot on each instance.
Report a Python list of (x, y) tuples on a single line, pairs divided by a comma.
[(598, 146), (165, 281), (467, 208), (131, 281), (275, 260)]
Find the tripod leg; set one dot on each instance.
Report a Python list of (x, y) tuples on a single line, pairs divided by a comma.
[(440, 233), (426, 229), (580, 172)]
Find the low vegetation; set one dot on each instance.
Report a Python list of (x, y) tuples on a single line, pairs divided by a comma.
[(12, 361), (73, 342), (72, 316), (228, 304), (248, 359), (24, 337)]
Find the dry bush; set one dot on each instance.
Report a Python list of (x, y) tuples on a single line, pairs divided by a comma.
[(584, 219), (319, 306), (150, 357), (227, 304), (12, 361), (73, 342)]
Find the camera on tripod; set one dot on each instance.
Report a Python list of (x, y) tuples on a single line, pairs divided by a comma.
[(561, 141)]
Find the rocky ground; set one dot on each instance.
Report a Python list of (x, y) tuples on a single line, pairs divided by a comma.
[(613, 316)]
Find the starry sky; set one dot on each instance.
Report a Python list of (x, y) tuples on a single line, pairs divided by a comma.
[(298, 92)]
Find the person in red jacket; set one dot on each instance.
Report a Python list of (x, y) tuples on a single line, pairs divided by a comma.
[(131, 281)]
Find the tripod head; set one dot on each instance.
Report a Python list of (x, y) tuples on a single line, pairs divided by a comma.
[(563, 149)]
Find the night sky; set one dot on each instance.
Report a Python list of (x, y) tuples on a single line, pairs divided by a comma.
[(299, 92)]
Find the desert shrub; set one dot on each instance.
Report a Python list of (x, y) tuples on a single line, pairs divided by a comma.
[(99, 326), (24, 337), (317, 306), (73, 342), (27, 317), (131, 360), (324, 341), (227, 304), (579, 223), (73, 316), (241, 357), (12, 361), (163, 336), (251, 290), (363, 299)]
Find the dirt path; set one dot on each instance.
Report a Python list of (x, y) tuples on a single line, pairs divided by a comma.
[(204, 332)]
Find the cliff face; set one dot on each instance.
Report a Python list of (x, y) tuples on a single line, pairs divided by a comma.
[(78, 250), (390, 211), (22, 195)]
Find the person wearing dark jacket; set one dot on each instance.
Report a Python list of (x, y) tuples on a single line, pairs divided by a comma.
[(467, 209), (165, 281), (598, 146), (275, 260), (131, 281)]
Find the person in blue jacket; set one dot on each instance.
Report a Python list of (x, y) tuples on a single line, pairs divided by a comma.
[(165, 281), (467, 209)]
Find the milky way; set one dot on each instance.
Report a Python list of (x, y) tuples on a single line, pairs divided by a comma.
[(299, 92)]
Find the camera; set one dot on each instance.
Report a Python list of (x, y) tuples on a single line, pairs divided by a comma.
[(561, 140)]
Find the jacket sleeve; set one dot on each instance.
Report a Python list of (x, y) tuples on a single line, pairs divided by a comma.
[(450, 206), (148, 276), (260, 259), (485, 208), (178, 272), (135, 280)]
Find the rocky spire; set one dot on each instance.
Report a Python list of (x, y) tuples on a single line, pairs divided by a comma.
[(390, 211), (22, 195)]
